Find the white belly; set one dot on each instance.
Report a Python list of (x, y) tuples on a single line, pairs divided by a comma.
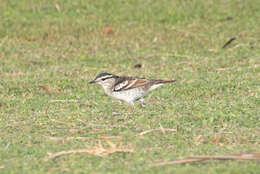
[(129, 95)]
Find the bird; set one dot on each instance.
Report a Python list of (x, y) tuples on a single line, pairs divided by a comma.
[(128, 89)]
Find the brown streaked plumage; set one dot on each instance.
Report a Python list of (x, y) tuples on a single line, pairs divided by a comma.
[(129, 89)]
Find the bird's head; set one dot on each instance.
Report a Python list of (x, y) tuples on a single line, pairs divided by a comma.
[(104, 79)]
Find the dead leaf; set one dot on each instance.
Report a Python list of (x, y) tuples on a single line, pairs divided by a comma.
[(216, 139), (229, 18), (108, 31), (195, 117), (138, 65), (200, 139), (44, 88), (1, 167)]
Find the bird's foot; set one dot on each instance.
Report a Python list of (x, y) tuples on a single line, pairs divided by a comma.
[(142, 102)]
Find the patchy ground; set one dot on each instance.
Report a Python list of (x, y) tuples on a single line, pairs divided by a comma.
[(52, 120)]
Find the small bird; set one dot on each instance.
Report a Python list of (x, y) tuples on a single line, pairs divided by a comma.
[(128, 89)]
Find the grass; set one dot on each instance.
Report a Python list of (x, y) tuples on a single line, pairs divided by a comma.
[(49, 50)]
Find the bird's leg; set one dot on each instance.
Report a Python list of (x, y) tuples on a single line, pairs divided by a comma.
[(131, 103), (142, 102)]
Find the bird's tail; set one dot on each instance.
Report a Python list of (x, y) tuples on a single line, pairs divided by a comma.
[(164, 81)]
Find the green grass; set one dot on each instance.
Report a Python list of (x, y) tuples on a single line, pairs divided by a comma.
[(61, 45)]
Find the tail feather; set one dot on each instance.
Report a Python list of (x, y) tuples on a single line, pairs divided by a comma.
[(164, 81), (157, 83)]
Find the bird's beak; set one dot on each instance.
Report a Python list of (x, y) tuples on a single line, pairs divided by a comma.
[(92, 81)]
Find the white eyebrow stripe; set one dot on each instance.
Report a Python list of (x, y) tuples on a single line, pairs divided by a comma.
[(104, 77)]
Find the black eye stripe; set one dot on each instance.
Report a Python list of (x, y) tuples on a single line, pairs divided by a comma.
[(106, 78)]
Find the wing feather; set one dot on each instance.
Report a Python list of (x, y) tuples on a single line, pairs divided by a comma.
[(126, 83)]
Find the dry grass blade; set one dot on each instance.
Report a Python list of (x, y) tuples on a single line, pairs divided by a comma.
[(64, 101), (58, 7), (253, 156), (55, 155), (66, 138), (112, 145), (110, 137), (98, 150), (62, 122), (160, 129)]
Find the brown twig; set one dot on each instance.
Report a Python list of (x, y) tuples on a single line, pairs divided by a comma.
[(228, 42), (177, 162), (253, 156), (46, 89)]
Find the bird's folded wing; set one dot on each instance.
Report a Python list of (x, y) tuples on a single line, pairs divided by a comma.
[(130, 83)]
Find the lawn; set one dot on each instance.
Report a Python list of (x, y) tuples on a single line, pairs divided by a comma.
[(50, 49)]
